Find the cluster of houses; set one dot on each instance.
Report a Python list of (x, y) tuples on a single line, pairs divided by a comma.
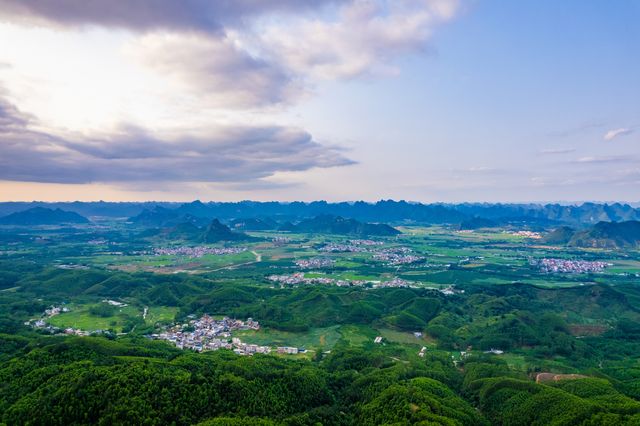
[(343, 248), (280, 241), (48, 313), (315, 263), (450, 290), (196, 251), (397, 256), (569, 266), (365, 242), (393, 256), (114, 303), (55, 310), (43, 325), (210, 334), (528, 234), (396, 283), (299, 278)]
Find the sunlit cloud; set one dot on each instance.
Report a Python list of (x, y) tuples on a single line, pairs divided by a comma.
[(365, 37), (616, 133), (218, 154)]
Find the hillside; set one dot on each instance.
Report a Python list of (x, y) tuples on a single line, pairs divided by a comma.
[(609, 235), (186, 231), (253, 224), (477, 223), (341, 226), (159, 216), (42, 216), (561, 235), (156, 216), (216, 232), (601, 235), (191, 231)]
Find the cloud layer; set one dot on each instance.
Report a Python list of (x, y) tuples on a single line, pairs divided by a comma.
[(221, 154), (143, 15), (233, 63), (364, 39)]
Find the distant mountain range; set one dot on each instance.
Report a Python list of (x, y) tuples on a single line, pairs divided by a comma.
[(386, 211), (587, 213), (601, 235), (42, 216), (173, 224)]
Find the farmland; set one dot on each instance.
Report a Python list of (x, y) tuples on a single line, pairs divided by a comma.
[(432, 299)]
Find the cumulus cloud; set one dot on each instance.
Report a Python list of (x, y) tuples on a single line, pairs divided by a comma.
[(142, 15), (364, 38), (269, 63), (217, 154), (616, 133), (215, 69)]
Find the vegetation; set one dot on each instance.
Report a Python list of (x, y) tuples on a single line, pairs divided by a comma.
[(478, 336)]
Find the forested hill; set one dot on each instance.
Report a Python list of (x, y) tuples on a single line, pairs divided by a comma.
[(338, 225)]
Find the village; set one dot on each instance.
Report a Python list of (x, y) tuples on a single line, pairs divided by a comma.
[(569, 266), (397, 256), (315, 263), (210, 334), (197, 251), (298, 278), (393, 256)]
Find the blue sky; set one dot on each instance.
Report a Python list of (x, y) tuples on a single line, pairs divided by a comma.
[(432, 100)]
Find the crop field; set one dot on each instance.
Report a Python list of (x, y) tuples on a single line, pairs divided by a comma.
[(81, 317), (446, 263), (317, 338)]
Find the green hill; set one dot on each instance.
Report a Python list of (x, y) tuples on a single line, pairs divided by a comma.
[(253, 224), (329, 224), (216, 232), (561, 235), (609, 235), (601, 235), (477, 223)]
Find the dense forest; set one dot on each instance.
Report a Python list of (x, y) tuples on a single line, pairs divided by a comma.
[(133, 381)]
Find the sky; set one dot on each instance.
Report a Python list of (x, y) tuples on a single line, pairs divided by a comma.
[(422, 100)]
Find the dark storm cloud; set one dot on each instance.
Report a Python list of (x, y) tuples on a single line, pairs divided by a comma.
[(147, 14), (222, 154)]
